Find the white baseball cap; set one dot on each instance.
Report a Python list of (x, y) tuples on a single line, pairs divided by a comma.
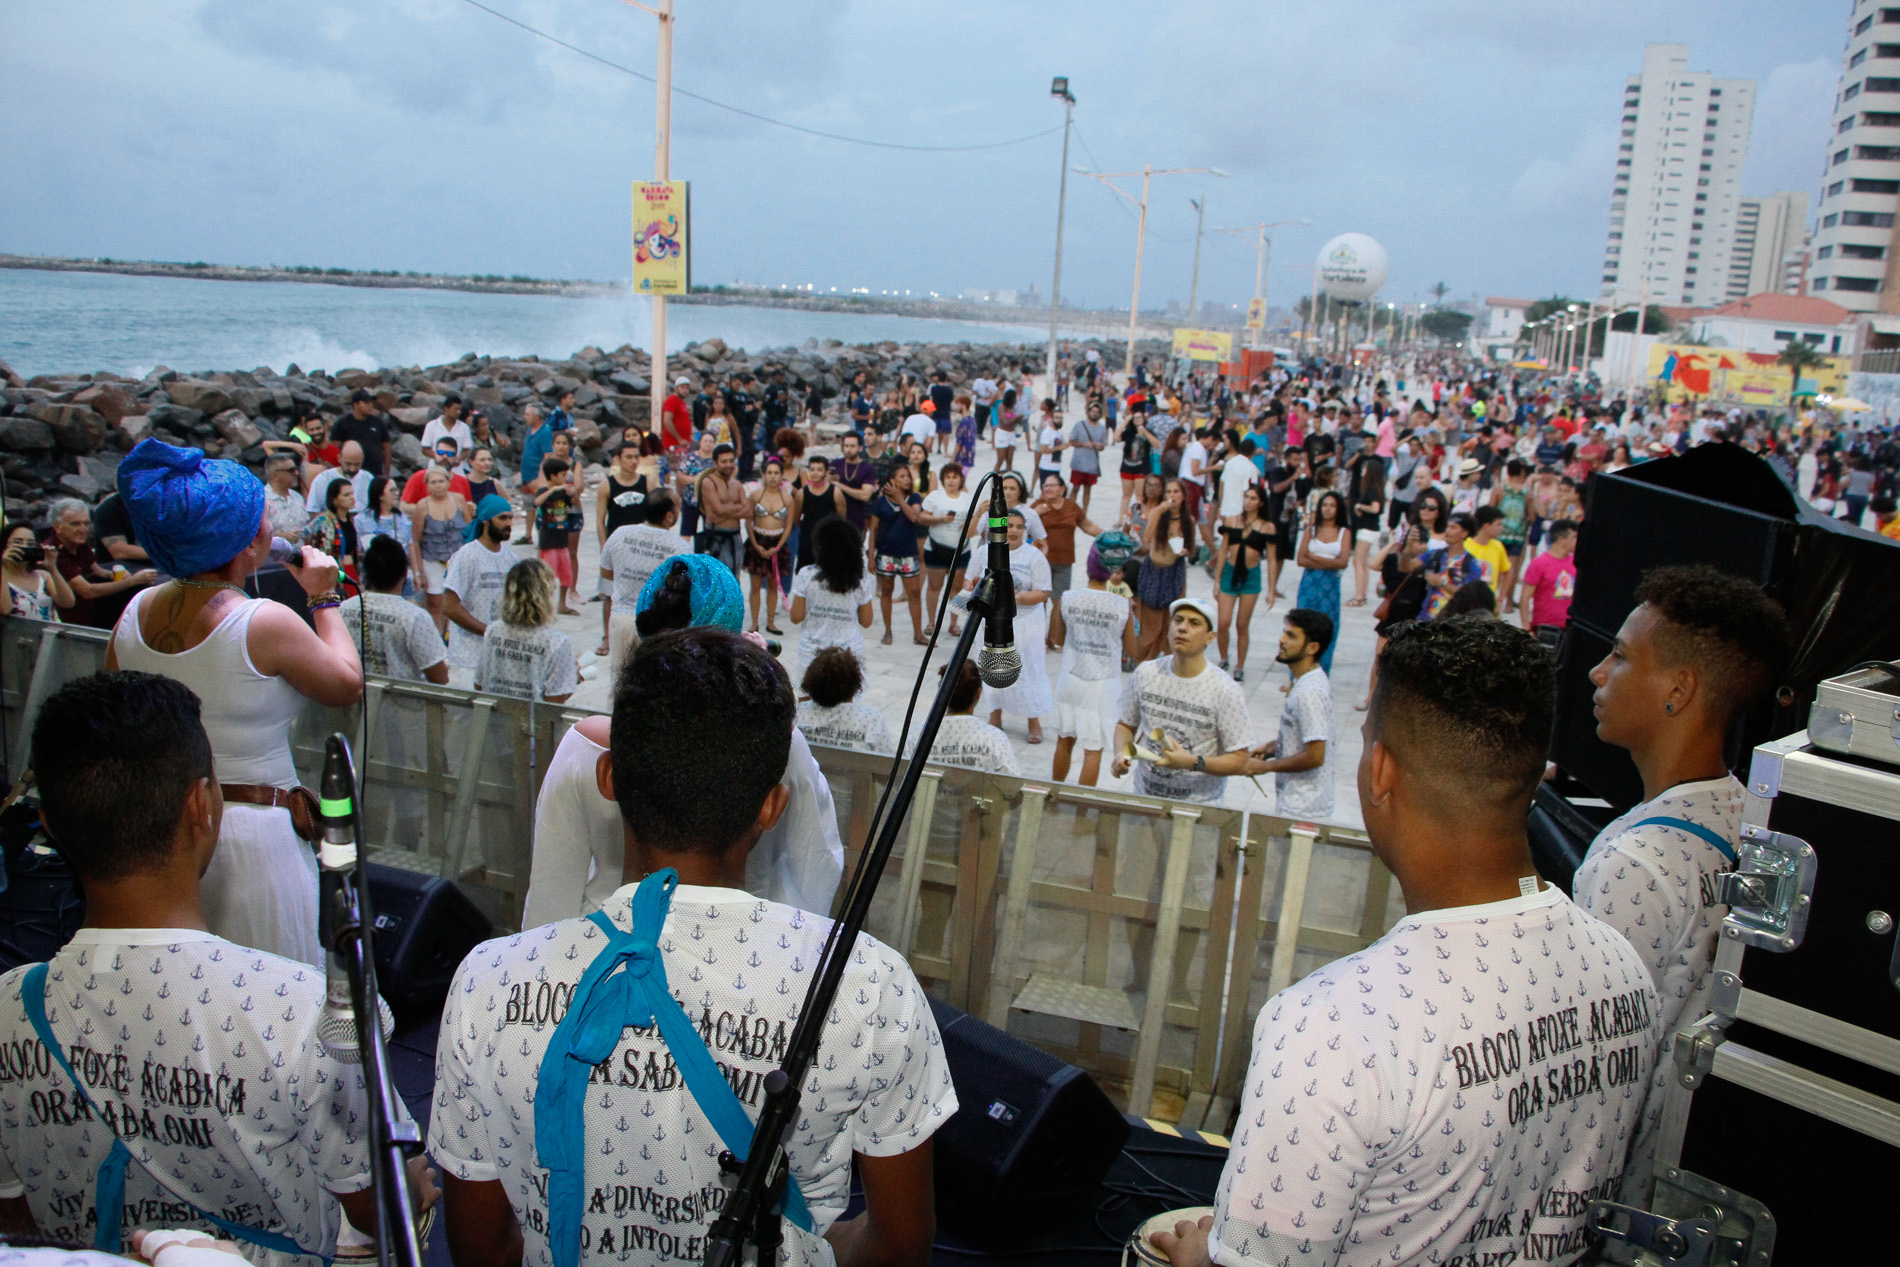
[(1205, 606), (682, 381)]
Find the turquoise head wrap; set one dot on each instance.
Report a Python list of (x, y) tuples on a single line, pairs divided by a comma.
[(716, 597)]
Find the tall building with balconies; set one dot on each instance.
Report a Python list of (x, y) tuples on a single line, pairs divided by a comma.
[(1678, 188), (1853, 260), (1770, 232)]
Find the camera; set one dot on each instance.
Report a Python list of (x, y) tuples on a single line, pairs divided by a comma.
[(32, 556)]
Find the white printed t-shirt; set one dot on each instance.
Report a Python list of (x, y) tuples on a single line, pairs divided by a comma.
[(398, 638), (633, 553), (1206, 714), (966, 741), (1307, 715), (1656, 886), (1458, 1091), (203, 1055), (533, 663), (853, 725), (831, 619), (475, 574), (738, 966), (1093, 621)]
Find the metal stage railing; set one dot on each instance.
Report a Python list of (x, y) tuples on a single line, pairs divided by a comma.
[(1047, 909)]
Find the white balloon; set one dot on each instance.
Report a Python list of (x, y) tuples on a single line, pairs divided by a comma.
[(1353, 268)]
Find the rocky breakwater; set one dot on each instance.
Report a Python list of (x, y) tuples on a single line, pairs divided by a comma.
[(61, 435)]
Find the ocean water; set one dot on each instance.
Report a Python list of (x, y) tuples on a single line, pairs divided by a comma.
[(53, 322)]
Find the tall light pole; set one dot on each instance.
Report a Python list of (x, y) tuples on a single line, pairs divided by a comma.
[(1194, 286), (1059, 88), (1141, 232), (1263, 251), (662, 161)]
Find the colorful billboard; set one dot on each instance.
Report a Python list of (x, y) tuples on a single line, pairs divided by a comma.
[(662, 254), (1256, 314), (1204, 345), (1690, 373)]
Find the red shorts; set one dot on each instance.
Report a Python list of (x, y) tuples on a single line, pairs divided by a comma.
[(1191, 498), (1082, 479), (561, 565)]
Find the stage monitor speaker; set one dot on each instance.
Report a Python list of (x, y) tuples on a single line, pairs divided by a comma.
[(1721, 505), (425, 926), (1033, 1136)]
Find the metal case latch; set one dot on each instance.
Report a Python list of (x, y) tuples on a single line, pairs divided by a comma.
[(1696, 1223), (1686, 1242), (1769, 891)]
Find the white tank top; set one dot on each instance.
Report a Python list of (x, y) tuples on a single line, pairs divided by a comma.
[(1325, 549), (246, 713)]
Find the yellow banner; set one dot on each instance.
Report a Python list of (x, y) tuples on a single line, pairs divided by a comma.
[(1204, 345), (662, 259), (1256, 314), (1687, 373)]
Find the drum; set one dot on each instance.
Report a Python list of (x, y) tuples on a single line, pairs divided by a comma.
[(1144, 1250)]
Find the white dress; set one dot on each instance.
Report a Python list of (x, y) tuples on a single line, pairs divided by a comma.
[(261, 887), (1030, 696)]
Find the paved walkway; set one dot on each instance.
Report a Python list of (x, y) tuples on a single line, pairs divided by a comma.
[(890, 671)]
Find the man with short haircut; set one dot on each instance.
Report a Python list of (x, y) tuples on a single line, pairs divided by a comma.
[(397, 636), (722, 503), (97, 595), (1701, 649), (200, 1055), (283, 504), (1201, 712), (369, 427), (857, 479), (1301, 759), (536, 446), (632, 554), (449, 423), (1460, 1090), (471, 590), (350, 466), (1550, 580), (570, 1118), (832, 716)]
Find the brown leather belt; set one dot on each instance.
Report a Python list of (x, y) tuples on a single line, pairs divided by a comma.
[(300, 801)]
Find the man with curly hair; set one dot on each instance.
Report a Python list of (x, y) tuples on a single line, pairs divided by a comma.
[(1700, 650), (1462, 1088)]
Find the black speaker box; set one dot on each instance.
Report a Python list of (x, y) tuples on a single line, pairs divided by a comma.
[(425, 927), (1719, 504), (1031, 1140)]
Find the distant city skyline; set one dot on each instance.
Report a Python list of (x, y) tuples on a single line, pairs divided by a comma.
[(1475, 140)]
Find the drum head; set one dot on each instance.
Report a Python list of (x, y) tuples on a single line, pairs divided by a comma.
[(1164, 1222)]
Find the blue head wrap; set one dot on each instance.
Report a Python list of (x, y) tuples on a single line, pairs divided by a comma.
[(716, 597), (192, 513), (486, 509)]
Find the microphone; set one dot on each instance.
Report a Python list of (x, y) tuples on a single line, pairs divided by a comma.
[(999, 664), (336, 900), (284, 553)]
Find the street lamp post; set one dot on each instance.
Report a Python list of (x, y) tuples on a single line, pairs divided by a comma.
[(1263, 251), (1059, 88), (662, 162), (1141, 232), (1194, 286)]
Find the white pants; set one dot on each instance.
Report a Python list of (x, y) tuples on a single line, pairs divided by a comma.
[(623, 639), (261, 887)]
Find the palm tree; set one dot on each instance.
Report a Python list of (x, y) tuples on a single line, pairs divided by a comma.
[(1799, 356)]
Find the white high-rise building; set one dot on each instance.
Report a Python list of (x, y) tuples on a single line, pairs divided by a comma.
[(1770, 231), (1860, 182), (1678, 188)]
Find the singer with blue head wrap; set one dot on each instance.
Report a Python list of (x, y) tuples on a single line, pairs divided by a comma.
[(576, 862), (254, 663), (591, 1071)]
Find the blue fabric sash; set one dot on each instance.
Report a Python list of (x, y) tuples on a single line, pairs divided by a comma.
[(109, 1185), (1720, 845), (607, 1000)]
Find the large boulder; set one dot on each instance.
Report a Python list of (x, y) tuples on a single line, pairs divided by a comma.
[(175, 417), (630, 383), (355, 378), (109, 401), (132, 428), (18, 434), (78, 430), (235, 428), (412, 417), (406, 452), (196, 393)]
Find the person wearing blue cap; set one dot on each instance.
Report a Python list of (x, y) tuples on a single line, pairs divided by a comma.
[(254, 665), (471, 589), (577, 837)]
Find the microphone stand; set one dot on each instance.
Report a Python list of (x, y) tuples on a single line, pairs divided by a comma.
[(351, 920), (748, 1212)]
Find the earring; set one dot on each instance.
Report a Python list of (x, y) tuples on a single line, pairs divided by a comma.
[(1669, 707)]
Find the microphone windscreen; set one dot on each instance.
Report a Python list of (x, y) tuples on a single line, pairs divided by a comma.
[(999, 666)]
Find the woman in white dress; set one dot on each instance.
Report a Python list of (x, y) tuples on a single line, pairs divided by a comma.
[(1030, 696), (254, 665)]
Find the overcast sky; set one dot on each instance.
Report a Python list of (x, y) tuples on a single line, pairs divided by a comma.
[(1474, 138)]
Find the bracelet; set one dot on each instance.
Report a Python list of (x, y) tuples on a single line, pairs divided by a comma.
[(330, 598)]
